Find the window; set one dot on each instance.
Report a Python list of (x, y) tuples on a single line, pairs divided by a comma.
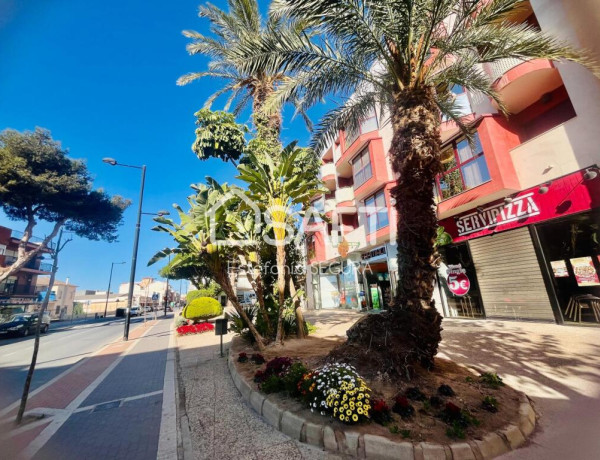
[(361, 168), (376, 212), (464, 168), (366, 126)]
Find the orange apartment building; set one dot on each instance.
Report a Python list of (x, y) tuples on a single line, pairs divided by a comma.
[(522, 204)]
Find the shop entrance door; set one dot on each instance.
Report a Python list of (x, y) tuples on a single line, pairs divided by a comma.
[(571, 248), (379, 289), (457, 258), (330, 293)]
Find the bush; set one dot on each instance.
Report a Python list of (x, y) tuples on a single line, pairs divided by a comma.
[(292, 377), (415, 394), (212, 290), (202, 308), (490, 404), (239, 326), (491, 380), (403, 408), (380, 412), (191, 295), (446, 390), (272, 384)]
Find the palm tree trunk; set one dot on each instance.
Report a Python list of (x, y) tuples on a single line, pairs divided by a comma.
[(299, 316), (280, 289), (415, 158), (225, 283)]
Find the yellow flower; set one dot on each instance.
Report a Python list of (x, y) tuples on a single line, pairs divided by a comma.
[(336, 403), (348, 412), (355, 418), (359, 410), (347, 419), (342, 417), (359, 403)]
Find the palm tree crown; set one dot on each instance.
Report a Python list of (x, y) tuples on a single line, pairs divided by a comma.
[(403, 56), (232, 32)]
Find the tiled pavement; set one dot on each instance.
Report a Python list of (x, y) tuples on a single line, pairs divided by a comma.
[(121, 415), (221, 425)]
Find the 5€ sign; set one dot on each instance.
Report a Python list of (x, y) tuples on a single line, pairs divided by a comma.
[(458, 281)]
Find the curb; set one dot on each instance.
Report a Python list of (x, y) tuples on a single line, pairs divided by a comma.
[(370, 446), (184, 441)]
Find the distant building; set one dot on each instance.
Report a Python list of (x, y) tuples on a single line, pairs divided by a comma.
[(60, 305), (17, 293), (91, 302)]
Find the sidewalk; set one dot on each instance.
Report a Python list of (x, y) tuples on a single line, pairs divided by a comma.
[(217, 423), (109, 406)]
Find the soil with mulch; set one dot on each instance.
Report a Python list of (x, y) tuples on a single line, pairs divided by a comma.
[(425, 424)]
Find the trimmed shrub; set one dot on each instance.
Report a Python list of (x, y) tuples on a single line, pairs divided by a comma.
[(191, 295), (202, 308)]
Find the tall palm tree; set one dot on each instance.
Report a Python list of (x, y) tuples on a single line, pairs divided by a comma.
[(232, 31), (404, 56), (203, 233), (283, 191)]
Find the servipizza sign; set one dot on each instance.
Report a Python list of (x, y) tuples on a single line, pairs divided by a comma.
[(566, 195)]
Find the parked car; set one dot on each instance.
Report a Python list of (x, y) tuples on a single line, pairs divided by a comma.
[(148, 309), (135, 310), (24, 324)]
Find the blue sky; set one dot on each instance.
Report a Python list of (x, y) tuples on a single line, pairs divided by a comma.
[(101, 76)]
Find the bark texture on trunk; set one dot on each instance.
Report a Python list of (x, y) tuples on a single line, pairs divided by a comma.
[(281, 291), (410, 333), (36, 343), (254, 277), (297, 310), (24, 256), (225, 282)]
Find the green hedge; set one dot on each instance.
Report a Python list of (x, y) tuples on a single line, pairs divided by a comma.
[(202, 308)]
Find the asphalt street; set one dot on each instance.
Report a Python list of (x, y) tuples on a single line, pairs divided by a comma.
[(62, 347)]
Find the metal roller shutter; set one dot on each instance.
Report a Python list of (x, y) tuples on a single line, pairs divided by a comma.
[(509, 276)]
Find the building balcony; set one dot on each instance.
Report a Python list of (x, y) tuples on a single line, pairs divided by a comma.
[(328, 175), (345, 200), (17, 289), (546, 156), (33, 265), (330, 205), (521, 83)]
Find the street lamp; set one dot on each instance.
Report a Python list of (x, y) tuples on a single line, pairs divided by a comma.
[(113, 162), (109, 281)]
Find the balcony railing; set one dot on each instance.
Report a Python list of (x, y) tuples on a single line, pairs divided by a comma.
[(500, 67), (32, 264), (33, 240), (327, 169), (17, 289), (344, 194)]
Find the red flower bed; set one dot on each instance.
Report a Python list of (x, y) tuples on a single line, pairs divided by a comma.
[(195, 328)]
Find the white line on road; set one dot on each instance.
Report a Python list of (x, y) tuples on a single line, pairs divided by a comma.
[(60, 419), (12, 406)]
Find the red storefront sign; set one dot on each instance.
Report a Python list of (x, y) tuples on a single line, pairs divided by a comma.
[(458, 282), (566, 195)]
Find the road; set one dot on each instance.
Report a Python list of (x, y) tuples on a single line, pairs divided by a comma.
[(100, 397), (62, 347)]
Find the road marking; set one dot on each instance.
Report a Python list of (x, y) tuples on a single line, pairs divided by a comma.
[(14, 405), (60, 419), (121, 400), (167, 441)]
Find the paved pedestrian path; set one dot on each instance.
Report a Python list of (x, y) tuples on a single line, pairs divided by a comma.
[(109, 406), (218, 424)]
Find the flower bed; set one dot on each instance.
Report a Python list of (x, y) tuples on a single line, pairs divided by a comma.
[(445, 405), (195, 328)]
